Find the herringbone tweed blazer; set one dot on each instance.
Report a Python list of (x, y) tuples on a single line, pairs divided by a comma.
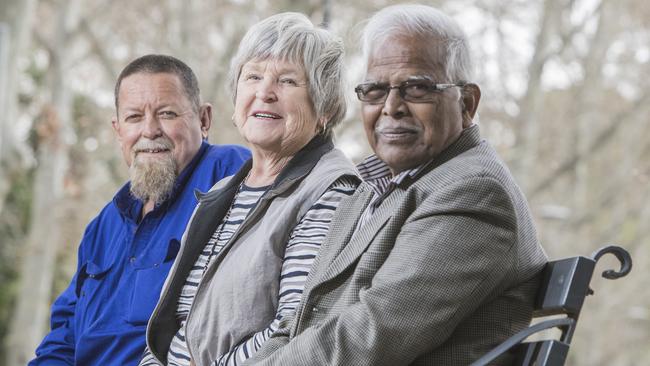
[(445, 270)]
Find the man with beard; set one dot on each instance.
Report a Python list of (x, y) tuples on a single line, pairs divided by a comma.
[(127, 250)]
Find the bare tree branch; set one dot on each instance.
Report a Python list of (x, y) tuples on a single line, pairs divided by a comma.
[(601, 140), (99, 49)]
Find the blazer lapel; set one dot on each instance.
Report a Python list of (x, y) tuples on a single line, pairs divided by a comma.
[(350, 245), (342, 227)]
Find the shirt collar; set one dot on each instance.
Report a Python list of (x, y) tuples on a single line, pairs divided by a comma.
[(131, 207), (377, 174)]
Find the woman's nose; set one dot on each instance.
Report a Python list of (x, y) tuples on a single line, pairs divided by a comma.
[(266, 91)]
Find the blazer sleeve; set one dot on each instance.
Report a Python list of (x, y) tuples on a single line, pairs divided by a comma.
[(453, 251)]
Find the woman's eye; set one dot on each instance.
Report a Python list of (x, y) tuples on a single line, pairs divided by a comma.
[(252, 77), (288, 81)]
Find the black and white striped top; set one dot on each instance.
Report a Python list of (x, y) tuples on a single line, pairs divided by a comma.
[(302, 247)]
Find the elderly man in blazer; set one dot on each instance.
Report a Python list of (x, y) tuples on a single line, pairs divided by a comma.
[(434, 260)]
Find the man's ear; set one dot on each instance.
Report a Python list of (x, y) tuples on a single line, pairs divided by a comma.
[(116, 127), (205, 116), (471, 95)]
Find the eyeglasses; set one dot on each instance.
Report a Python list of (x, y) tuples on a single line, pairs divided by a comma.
[(415, 91)]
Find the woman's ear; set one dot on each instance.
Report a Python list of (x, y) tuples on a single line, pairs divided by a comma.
[(322, 124)]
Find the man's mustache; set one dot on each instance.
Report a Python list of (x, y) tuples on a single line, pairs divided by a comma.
[(146, 145), (397, 128)]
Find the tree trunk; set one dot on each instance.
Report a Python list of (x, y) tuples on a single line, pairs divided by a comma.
[(15, 25), (587, 115), (5, 45), (530, 104), (39, 257)]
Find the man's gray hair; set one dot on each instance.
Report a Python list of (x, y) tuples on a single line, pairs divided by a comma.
[(425, 22), (154, 64), (293, 37)]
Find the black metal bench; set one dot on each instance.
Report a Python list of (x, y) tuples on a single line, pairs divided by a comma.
[(564, 287)]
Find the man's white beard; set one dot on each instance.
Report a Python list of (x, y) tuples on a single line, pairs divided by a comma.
[(152, 179)]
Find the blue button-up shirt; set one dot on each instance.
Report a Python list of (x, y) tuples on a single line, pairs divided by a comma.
[(101, 318)]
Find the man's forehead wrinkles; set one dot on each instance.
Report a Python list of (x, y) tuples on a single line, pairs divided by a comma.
[(159, 94), (398, 61), (403, 71), (154, 102), (385, 78)]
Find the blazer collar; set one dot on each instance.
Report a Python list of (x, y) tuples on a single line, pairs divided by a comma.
[(468, 139)]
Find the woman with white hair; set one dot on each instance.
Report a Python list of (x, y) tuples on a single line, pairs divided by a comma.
[(247, 250)]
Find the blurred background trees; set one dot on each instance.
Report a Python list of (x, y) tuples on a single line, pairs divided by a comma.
[(565, 101)]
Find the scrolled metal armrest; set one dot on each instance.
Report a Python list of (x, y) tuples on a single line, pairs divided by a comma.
[(623, 257)]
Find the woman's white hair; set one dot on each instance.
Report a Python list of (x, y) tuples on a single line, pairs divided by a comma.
[(293, 37), (423, 22)]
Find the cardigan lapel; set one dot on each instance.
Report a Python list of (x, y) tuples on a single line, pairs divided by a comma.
[(214, 205), (209, 213), (211, 206), (297, 168)]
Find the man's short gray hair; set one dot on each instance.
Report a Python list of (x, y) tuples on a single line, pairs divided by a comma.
[(154, 64), (425, 22), (293, 37)]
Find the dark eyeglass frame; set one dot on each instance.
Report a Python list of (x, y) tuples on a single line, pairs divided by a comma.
[(431, 87)]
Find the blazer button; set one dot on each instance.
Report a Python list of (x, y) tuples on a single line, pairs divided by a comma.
[(314, 309)]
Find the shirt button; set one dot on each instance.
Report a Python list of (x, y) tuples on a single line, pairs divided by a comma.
[(132, 259), (314, 309)]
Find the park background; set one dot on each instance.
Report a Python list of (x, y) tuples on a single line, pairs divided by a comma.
[(566, 96)]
